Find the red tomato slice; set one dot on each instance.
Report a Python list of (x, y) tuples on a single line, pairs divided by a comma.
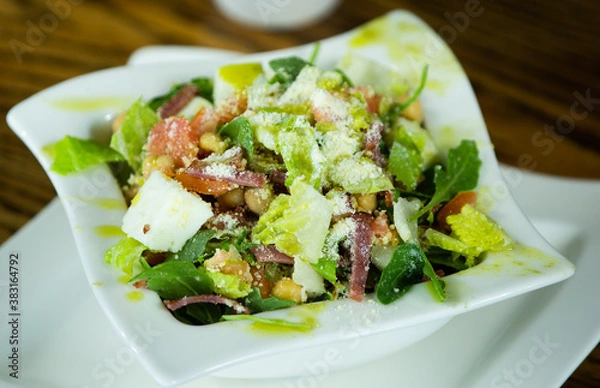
[(455, 205), (175, 137)]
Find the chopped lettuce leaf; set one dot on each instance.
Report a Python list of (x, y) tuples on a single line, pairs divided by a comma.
[(404, 209), (476, 230), (411, 135), (130, 139), (296, 224), (72, 155), (406, 165), (301, 154), (125, 254), (452, 244), (300, 326), (229, 285), (359, 175)]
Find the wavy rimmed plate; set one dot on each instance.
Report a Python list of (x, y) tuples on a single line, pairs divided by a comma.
[(173, 352)]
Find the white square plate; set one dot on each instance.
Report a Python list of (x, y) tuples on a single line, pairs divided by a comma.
[(83, 106)]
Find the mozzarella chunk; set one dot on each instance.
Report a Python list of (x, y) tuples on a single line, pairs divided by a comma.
[(164, 215)]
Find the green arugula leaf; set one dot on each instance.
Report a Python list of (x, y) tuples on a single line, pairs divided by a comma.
[(193, 248), (240, 131), (176, 279), (396, 108), (345, 77), (405, 164), (257, 304), (203, 313), (300, 326), (130, 139), (72, 155), (462, 175), (404, 269), (437, 284), (203, 84), (326, 267), (286, 69), (315, 53)]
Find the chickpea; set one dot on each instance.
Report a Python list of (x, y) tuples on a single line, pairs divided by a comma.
[(211, 141), (414, 111), (366, 202), (259, 199), (118, 121), (287, 289), (260, 281), (164, 163), (231, 199)]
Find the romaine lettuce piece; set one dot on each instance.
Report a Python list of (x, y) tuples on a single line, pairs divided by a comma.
[(228, 285), (131, 137), (296, 224), (359, 175), (72, 155), (125, 255), (476, 230), (404, 209), (301, 154)]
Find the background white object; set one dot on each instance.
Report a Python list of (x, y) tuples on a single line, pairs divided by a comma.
[(276, 14)]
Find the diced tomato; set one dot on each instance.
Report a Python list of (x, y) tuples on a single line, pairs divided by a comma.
[(205, 120), (455, 205), (203, 185), (373, 99), (175, 137)]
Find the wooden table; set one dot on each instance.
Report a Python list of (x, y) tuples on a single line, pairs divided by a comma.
[(535, 67)]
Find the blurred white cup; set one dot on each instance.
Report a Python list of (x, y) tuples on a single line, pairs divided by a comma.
[(276, 14)]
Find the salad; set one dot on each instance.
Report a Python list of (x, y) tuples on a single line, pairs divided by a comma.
[(273, 185)]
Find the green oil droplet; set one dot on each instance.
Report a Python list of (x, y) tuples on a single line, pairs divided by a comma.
[(134, 296), (109, 231)]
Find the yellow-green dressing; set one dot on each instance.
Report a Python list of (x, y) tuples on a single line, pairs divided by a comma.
[(240, 75), (92, 103), (109, 231)]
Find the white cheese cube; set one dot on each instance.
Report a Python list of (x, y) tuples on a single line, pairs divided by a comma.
[(192, 107), (164, 215)]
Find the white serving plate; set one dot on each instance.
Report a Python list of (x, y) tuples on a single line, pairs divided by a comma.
[(68, 342), (174, 353)]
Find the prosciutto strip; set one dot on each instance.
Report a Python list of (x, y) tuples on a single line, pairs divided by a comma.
[(270, 254), (278, 178), (360, 255), (177, 102), (237, 307), (226, 173), (371, 143)]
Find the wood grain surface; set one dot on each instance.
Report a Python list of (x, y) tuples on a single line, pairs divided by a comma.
[(534, 65)]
